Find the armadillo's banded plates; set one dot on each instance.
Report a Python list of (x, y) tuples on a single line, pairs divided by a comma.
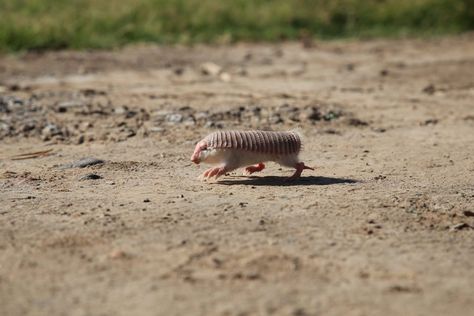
[(264, 142)]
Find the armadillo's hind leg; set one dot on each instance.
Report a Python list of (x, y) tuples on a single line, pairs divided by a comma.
[(255, 168), (292, 161), (300, 166)]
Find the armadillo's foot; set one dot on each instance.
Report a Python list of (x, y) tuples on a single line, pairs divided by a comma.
[(299, 169), (205, 174), (214, 172), (255, 168)]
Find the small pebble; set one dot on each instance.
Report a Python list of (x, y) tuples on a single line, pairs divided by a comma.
[(460, 226), (90, 176), (174, 118), (118, 254), (210, 69), (64, 106), (225, 77), (429, 89), (468, 213)]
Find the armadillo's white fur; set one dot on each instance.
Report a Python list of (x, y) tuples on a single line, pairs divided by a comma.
[(234, 159)]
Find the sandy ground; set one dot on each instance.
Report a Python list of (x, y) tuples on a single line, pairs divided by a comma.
[(384, 225)]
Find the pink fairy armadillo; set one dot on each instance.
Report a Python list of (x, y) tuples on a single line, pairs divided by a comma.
[(235, 149)]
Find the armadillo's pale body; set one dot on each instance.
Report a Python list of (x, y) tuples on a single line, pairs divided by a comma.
[(235, 149)]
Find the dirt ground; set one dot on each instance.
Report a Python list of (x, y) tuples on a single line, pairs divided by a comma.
[(384, 225)]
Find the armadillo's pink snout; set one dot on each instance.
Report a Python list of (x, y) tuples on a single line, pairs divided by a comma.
[(195, 158), (197, 152)]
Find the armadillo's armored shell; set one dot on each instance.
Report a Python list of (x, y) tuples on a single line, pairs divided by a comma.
[(264, 142)]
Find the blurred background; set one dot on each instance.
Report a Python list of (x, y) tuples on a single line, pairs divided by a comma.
[(82, 24)]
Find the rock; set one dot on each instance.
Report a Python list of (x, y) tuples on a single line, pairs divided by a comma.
[(201, 116), (82, 163), (468, 213), (49, 131), (130, 114), (332, 131), (275, 119), (429, 89), (65, 106), (295, 117), (401, 289), (174, 118), (186, 108), (331, 115), (460, 226), (90, 176), (29, 126), (190, 121), (357, 122), (299, 312), (350, 67), (286, 108), (312, 114), (210, 124), (80, 140), (156, 129), (160, 115), (429, 122), (5, 127), (210, 69), (10, 103), (130, 133), (91, 92), (178, 71), (84, 126), (4, 106), (256, 110), (118, 254), (120, 110), (242, 72), (225, 77)]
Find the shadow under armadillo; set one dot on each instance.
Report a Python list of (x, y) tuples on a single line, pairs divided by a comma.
[(281, 181)]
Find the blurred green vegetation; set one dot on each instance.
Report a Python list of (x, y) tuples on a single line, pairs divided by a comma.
[(56, 24)]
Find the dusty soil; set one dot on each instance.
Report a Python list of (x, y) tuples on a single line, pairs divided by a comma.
[(384, 225)]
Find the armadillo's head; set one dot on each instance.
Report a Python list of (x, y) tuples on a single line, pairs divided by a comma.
[(199, 152)]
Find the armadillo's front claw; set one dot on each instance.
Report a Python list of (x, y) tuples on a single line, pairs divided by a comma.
[(256, 168), (299, 169), (213, 172), (221, 172), (205, 174)]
